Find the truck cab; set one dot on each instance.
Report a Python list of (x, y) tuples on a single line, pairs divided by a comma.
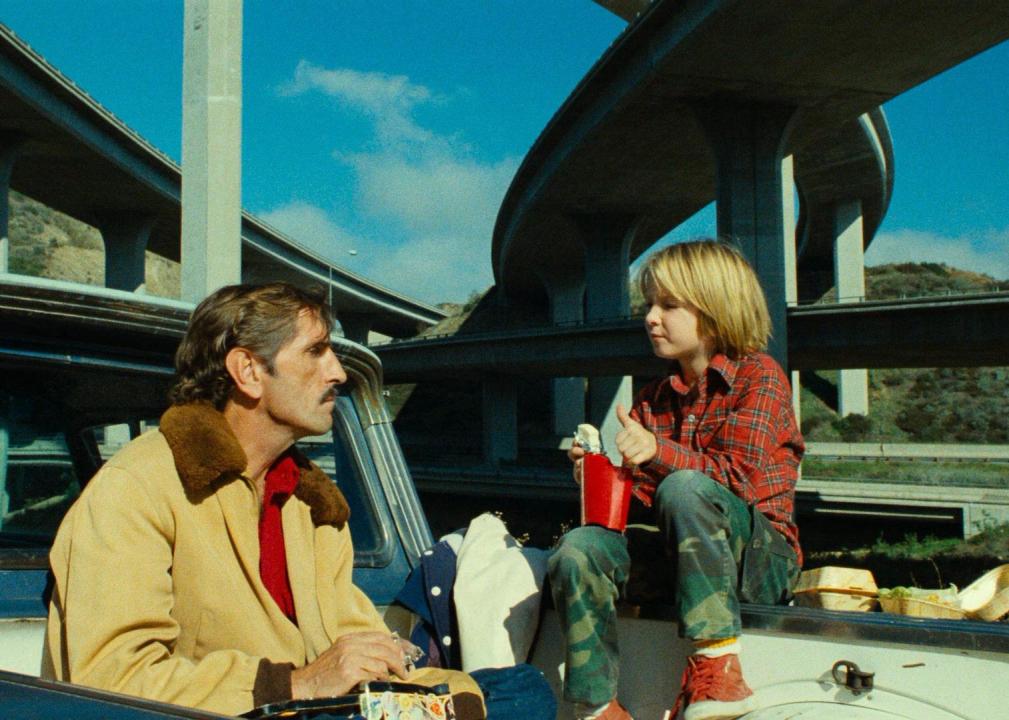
[(82, 371)]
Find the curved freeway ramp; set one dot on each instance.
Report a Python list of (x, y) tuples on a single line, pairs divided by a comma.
[(633, 143), (70, 153)]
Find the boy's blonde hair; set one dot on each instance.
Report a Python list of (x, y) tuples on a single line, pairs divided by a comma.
[(715, 278)]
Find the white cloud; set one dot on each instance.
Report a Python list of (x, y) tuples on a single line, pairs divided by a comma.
[(423, 187), (985, 252), (433, 267), (438, 193), (388, 99), (312, 227)]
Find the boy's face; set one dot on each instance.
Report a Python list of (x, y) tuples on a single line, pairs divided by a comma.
[(672, 326)]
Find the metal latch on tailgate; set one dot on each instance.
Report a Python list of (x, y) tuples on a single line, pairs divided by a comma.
[(847, 673)]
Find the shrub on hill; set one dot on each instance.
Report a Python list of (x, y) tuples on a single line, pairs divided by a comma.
[(900, 280), (47, 243)]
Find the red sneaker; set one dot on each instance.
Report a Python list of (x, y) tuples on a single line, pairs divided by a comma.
[(714, 689), (614, 711)]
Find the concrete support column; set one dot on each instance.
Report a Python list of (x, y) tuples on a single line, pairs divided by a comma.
[(500, 419), (605, 393), (10, 144), (356, 326), (607, 241), (4, 450), (125, 236), (566, 292), (748, 141), (566, 303), (211, 147), (791, 262), (849, 279)]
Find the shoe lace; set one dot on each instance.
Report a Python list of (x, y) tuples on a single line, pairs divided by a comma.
[(698, 679)]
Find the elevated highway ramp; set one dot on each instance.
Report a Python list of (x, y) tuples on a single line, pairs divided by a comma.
[(908, 333), (62, 148)]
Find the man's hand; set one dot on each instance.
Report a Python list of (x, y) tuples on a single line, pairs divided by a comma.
[(636, 444), (354, 658)]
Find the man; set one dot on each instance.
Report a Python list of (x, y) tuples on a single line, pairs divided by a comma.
[(209, 563)]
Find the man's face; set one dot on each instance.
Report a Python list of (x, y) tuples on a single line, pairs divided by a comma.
[(301, 392)]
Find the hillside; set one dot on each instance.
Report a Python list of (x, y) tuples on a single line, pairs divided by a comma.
[(964, 405), (46, 243)]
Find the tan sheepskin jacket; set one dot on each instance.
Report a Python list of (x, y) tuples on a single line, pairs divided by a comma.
[(157, 588)]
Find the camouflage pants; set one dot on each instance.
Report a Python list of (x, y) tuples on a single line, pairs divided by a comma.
[(717, 551)]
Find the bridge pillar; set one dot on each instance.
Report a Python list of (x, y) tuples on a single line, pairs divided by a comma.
[(849, 279), (211, 147), (748, 141), (4, 450), (500, 419), (568, 404), (791, 262), (607, 241), (566, 291), (356, 326), (10, 145), (125, 236)]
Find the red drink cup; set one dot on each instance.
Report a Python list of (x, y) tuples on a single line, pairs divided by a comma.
[(606, 492)]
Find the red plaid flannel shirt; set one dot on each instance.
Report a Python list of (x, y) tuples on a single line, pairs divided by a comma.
[(736, 425)]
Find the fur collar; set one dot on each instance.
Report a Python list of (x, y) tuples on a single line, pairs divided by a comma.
[(207, 455)]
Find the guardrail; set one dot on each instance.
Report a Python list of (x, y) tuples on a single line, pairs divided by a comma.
[(909, 451)]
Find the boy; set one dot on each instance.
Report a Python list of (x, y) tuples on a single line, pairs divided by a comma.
[(715, 452)]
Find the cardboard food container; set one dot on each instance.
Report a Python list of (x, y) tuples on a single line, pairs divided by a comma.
[(987, 598), (606, 492), (941, 603), (916, 607), (837, 588)]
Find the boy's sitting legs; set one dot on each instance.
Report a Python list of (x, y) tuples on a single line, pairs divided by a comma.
[(587, 570), (706, 526)]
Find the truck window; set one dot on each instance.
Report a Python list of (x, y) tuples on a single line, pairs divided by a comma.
[(38, 481), (345, 456), (39, 478)]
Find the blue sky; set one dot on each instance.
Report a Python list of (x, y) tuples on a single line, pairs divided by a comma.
[(393, 129)]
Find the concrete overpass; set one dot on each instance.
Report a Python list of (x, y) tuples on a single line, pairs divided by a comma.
[(725, 100), (694, 98), (60, 147), (923, 332)]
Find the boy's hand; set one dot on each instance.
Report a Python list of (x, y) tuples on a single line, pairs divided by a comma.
[(636, 444), (575, 454)]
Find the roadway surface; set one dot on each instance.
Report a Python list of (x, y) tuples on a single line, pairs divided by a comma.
[(78, 158)]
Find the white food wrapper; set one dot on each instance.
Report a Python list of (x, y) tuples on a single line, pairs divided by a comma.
[(587, 438)]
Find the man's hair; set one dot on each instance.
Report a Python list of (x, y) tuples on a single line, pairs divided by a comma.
[(714, 277), (259, 318)]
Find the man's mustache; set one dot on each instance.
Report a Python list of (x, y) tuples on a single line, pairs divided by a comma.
[(330, 394)]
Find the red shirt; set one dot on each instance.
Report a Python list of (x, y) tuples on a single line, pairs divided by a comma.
[(736, 425), (281, 481)]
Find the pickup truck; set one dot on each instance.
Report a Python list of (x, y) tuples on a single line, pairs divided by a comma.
[(83, 370)]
